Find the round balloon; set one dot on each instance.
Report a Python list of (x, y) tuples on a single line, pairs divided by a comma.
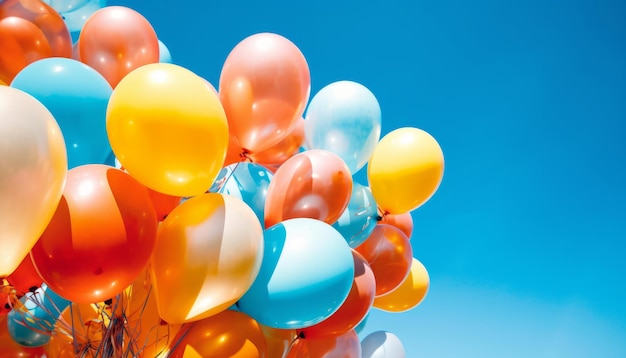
[(164, 53), (283, 150), (33, 168), (168, 129), (345, 345), (344, 117), (77, 96), (264, 86), (409, 294), (10, 348), (25, 278), (405, 170), (358, 220), (403, 222), (100, 237), (76, 12), (381, 344), (22, 42), (292, 289)]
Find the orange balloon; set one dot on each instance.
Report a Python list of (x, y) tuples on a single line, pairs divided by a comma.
[(25, 278), (115, 40), (409, 294), (100, 237), (354, 308), (22, 43), (264, 87), (10, 348), (283, 150), (346, 345), (78, 331), (313, 184), (403, 222), (227, 334), (389, 253), (163, 203), (278, 340)]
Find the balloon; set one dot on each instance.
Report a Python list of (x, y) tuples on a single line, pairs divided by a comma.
[(77, 96), (227, 334), (405, 170), (163, 204), (264, 87), (278, 340), (33, 168), (389, 253), (313, 184), (68, 5), (168, 129), (293, 290), (354, 308), (10, 348), (345, 345), (283, 150), (115, 40), (100, 237), (164, 53), (25, 278), (409, 294), (22, 42), (358, 220), (359, 328), (344, 118), (208, 252), (247, 182), (31, 323), (5, 305), (403, 222), (381, 344), (76, 12)]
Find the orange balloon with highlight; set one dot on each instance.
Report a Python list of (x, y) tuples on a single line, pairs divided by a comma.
[(346, 345), (409, 294), (22, 43)]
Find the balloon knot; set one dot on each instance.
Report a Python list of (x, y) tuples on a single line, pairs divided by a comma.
[(301, 335), (108, 302), (245, 156)]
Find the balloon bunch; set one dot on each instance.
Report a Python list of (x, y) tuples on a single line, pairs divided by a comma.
[(232, 224)]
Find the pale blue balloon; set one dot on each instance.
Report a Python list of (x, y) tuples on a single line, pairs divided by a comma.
[(306, 275), (382, 344), (245, 181), (344, 117), (77, 96), (76, 12), (164, 53), (358, 220), (28, 325)]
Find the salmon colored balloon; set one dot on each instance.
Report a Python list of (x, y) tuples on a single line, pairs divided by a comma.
[(283, 150), (389, 253), (208, 253), (25, 278), (264, 86), (409, 294), (346, 345), (100, 237), (227, 334), (354, 308), (115, 40), (314, 184), (22, 43), (403, 222)]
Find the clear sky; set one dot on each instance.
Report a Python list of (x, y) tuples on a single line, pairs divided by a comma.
[(525, 239)]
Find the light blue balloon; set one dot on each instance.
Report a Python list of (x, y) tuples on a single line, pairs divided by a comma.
[(164, 53), (75, 13), (77, 96), (306, 274), (67, 5), (359, 327), (382, 344), (344, 118), (359, 219), (245, 181), (28, 325)]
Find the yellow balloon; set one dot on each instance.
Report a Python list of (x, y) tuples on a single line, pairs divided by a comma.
[(33, 168), (405, 170), (168, 129), (208, 253), (409, 294)]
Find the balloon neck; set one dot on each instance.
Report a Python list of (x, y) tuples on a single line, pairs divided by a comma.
[(245, 156)]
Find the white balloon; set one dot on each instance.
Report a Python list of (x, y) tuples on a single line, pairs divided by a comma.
[(381, 344)]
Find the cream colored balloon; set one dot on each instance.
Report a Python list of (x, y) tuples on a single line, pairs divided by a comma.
[(33, 168)]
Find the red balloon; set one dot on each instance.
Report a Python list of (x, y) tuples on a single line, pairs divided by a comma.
[(22, 43), (100, 237), (390, 255), (163, 203), (346, 345), (314, 184), (403, 222), (354, 308), (25, 278)]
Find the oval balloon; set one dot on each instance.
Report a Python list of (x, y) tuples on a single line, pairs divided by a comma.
[(278, 340), (116, 40), (283, 150), (403, 222), (409, 294), (163, 204), (77, 96), (345, 345), (227, 334), (164, 53), (168, 129), (405, 170), (344, 118), (314, 184), (292, 289), (25, 278), (100, 237), (10, 348), (389, 253), (208, 252), (76, 12), (33, 168), (22, 42), (381, 344), (264, 86), (358, 220)]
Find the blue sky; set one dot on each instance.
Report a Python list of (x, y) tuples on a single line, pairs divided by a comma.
[(525, 239)]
